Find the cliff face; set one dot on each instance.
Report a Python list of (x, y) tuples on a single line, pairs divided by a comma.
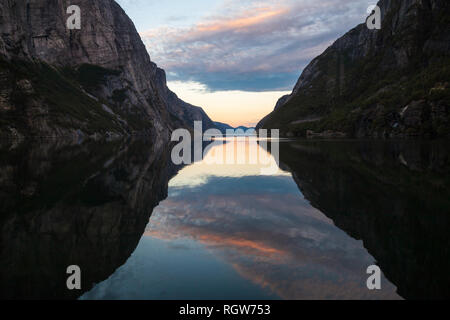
[(180, 110), (391, 82), (95, 80)]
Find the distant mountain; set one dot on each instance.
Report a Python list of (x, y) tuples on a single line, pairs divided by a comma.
[(95, 81), (244, 128), (392, 82), (183, 114), (223, 127)]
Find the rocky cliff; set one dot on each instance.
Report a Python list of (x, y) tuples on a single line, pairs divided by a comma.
[(181, 111), (392, 82), (96, 80)]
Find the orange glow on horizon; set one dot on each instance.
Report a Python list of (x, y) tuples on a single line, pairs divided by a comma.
[(240, 22), (236, 108)]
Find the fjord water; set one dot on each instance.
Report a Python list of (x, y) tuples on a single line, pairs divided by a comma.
[(227, 231), (230, 232), (142, 228)]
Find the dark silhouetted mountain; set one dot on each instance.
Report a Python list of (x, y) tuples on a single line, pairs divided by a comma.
[(392, 82), (98, 80), (244, 128), (223, 127)]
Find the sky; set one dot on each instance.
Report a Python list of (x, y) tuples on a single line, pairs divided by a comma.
[(236, 58)]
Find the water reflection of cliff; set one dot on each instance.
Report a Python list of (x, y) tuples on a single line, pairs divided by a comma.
[(393, 196), (86, 205), (228, 232)]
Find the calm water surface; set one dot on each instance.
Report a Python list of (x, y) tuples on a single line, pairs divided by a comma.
[(140, 227), (230, 232)]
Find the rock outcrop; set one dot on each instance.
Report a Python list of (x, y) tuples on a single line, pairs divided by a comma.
[(392, 82), (181, 111), (98, 80)]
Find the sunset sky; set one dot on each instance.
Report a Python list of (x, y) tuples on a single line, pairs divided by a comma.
[(235, 58)]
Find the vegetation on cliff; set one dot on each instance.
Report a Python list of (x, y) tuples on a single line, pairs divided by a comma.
[(392, 82)]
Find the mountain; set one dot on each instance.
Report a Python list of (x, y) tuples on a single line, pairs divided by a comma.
[(392, 82), (183, 113), (244, 128), (95, 81), (223, 127)]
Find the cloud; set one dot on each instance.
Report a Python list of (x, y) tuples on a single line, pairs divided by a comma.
[(253, 45), (280, 242)]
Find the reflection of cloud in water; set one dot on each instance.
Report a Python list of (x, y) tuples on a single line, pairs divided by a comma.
[(264, 228), (238, 158)]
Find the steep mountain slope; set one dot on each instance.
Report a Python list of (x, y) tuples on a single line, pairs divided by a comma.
[(95, 80), (392, 82), (182, 112)]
